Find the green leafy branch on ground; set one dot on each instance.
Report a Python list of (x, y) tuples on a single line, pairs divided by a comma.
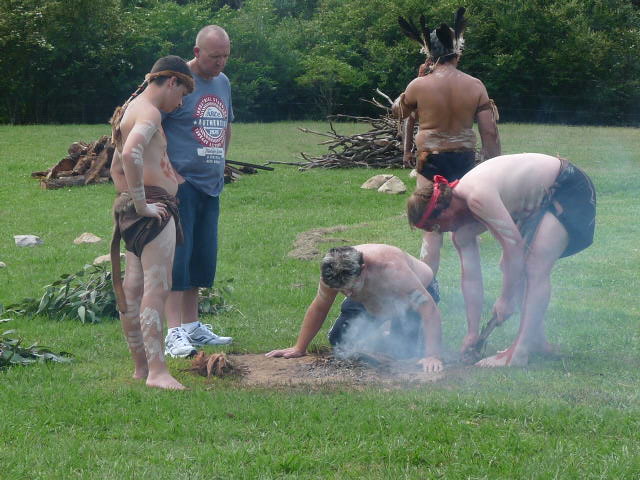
[(88, 296), (11, 353)]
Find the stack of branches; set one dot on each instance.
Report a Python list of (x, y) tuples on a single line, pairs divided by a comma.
[(85, 163), (379, 147)]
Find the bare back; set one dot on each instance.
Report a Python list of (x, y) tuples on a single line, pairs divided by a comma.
[(392, 277), (446, 101), (145, 118)]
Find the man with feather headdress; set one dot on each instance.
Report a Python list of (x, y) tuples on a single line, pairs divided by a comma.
[(446, 102)]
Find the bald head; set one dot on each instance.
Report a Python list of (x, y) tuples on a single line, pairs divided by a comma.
[(211, 32), (212, 50)]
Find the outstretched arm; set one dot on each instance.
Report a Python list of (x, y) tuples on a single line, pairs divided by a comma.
[(313, 320), (424, 304)]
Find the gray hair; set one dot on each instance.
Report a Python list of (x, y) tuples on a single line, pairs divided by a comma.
[(210, 30), (341, 266)]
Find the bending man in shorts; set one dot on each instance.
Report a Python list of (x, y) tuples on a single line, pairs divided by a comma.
[(540, 208), (382, 283), (146, 215), (446, 101)]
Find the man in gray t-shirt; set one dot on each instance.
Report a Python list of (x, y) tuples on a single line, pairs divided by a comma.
[(198, 136)]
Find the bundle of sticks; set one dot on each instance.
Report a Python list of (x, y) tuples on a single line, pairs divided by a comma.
[(379, 147), (85, 163)]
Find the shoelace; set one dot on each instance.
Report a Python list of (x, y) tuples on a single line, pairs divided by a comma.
[(209, 327)]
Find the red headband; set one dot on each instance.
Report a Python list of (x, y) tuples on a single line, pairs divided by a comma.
[(437, 181)]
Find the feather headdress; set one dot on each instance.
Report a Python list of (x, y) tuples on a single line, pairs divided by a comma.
[(441, 42)]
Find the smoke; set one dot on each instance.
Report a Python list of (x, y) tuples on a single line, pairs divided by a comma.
[(398, 336)]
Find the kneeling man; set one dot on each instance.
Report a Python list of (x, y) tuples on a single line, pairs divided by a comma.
[(540, 208), (382, 283)]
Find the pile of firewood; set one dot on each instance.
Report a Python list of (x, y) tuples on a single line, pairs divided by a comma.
[(88, 163), (379, 147), (85, 163)]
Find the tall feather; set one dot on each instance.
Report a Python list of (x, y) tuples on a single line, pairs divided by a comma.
[(426, 33), (460, 22), (409, 29), (445, 36)]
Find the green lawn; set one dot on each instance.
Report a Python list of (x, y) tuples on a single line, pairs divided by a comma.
[(574, 417)]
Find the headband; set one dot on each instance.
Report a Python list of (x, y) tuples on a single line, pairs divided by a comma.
[(437, 181), (186, 79)]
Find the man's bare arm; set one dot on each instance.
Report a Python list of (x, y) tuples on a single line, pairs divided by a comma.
[(408, 160), (313, 320), (488, 129), (143, 130), (424, 304)]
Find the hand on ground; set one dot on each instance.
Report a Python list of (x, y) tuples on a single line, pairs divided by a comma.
[(291, 352), (431, 364)]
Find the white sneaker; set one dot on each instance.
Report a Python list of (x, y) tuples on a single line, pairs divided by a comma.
[(203, 335), (177, 344)]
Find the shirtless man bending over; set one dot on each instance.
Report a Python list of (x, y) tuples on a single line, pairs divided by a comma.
[(146, 215), (447, 101), (540, 208), (381, 282)]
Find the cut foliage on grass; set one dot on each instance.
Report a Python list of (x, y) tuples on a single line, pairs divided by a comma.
[(13, 353)]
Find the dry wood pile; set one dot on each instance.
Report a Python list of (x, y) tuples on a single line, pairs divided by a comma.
[(85, 163), (379, 147), (88, 163)]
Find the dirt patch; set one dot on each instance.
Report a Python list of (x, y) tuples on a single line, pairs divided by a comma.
[(323, 369), (305, 246)]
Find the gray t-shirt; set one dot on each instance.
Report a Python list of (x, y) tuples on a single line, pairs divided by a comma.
[(196, 134)]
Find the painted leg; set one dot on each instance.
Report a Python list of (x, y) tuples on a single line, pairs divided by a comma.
[(157, 259), (130, 320), (550, 241)]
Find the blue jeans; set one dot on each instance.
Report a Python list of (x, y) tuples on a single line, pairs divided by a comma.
[(195, 260)]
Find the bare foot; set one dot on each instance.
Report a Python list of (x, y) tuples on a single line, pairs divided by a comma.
[(511, 357), (166, 381), (545, 349), (140, 374)]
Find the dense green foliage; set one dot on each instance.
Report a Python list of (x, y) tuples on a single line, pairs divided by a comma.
[(542, 60)]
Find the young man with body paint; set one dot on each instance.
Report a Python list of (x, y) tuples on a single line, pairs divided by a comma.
[(446, 102), (198, 136), (146, 215), (381, 282), (540, 208)]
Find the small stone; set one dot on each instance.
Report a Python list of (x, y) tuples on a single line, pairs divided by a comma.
[(27, 240), (375, 182), (87, 238), (393, 186), (105, 259), (413, 174), (3, 265)]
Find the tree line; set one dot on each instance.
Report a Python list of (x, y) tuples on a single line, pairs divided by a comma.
[(73, 61)]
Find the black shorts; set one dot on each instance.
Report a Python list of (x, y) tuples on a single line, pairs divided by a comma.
[(451, 165)]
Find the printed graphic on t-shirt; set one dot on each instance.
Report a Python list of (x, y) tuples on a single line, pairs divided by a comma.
[(209, 127)]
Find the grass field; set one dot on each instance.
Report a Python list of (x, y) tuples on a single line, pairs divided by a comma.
[(574, 417)]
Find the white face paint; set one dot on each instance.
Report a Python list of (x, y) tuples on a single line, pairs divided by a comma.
[(152, 333), (137, 193), (156, 277), (135, 342), (146, 129), (137, 153)]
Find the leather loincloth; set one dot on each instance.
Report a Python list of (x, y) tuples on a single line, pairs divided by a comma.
[(138, 231)]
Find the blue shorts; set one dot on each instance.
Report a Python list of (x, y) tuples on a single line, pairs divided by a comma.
[(195, 260)]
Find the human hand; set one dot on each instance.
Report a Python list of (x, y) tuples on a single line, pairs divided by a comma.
[(153, 210), (291, 352), (469, 342), (431, 364), (503, 309)]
